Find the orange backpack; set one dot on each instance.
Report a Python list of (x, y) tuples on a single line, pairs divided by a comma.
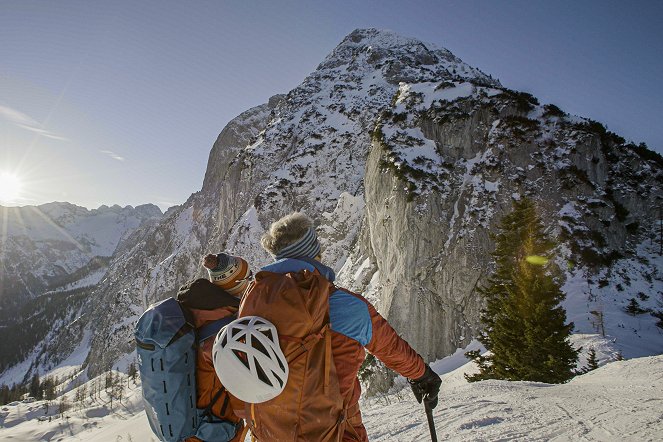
[(310, 408)]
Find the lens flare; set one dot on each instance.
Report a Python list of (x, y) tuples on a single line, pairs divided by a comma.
[(10, 188), (537, 260)]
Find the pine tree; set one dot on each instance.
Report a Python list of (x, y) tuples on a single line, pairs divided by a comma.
[(4, 394), (633, 308), (108, 380), (35, 387), (48, 387), (118, 388), (592, 360), (63, 406), (132, 372), (524, 326)]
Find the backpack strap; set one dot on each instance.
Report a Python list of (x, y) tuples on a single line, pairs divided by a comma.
[(208, 410), (307, 343), (186, 328), (250, 418), (245, 431), (328, 357), (211, 329), (349, 413)]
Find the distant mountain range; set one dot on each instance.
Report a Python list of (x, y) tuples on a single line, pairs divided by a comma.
[(49, 246)]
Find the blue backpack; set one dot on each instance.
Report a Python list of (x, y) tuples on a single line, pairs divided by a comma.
[(166, 344)]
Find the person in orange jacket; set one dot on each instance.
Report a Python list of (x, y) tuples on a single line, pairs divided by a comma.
[(208, 302), (356, 325)]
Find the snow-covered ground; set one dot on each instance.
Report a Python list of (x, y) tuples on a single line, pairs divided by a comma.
[(622, 400)]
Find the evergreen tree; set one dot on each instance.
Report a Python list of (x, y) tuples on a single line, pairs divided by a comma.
[(108, 380), (118, 388), (592, 360), (4, 394), (63, 406), (524, 326), (35, 387), (48, 387), (132, 372), (633, 308)]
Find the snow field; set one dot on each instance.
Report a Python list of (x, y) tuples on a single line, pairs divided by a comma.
[(620, 401)]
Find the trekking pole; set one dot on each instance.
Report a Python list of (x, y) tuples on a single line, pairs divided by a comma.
[(431, 423)]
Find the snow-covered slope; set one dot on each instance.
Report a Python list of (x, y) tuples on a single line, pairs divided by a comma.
[(619, 401)]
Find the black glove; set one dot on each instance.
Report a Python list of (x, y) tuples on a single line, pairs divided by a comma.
[(426, 387)]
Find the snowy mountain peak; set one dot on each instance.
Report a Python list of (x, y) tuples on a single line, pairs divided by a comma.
[(400, 58)]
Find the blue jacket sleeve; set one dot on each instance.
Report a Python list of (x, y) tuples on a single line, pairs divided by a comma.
[(350, 317)]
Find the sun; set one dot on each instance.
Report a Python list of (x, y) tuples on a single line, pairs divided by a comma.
[(10, 188)]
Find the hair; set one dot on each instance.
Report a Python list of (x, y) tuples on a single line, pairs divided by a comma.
[(286, 231)]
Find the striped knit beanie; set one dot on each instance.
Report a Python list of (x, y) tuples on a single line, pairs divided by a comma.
[(292, 236), (308, 246), (231, 274)]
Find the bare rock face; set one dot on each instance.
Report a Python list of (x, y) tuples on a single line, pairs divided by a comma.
[(446, 162)]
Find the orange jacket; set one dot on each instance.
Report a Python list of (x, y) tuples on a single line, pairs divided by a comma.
[(357, 326), (385, 344)]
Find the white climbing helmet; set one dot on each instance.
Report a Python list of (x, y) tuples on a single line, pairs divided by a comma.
[(248, 359)]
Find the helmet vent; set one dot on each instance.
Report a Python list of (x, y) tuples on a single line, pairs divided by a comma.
[(262, 375), (242, 357), (258, 346), (268, 334)]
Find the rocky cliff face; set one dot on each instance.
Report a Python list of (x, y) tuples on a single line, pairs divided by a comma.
[(407, 158), (306, 151), (447, 160)]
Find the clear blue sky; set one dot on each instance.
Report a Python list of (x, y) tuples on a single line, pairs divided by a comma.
[(105, 102)]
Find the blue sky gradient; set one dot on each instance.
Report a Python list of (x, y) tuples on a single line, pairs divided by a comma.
[(120, 102)]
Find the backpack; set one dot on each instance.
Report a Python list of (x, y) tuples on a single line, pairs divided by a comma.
[(311, 407), (166, 343)]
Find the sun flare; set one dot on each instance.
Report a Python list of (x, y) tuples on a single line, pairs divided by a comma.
[(10, 187)]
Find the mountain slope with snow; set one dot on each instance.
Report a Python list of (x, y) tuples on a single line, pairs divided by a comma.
[(619, 401)]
